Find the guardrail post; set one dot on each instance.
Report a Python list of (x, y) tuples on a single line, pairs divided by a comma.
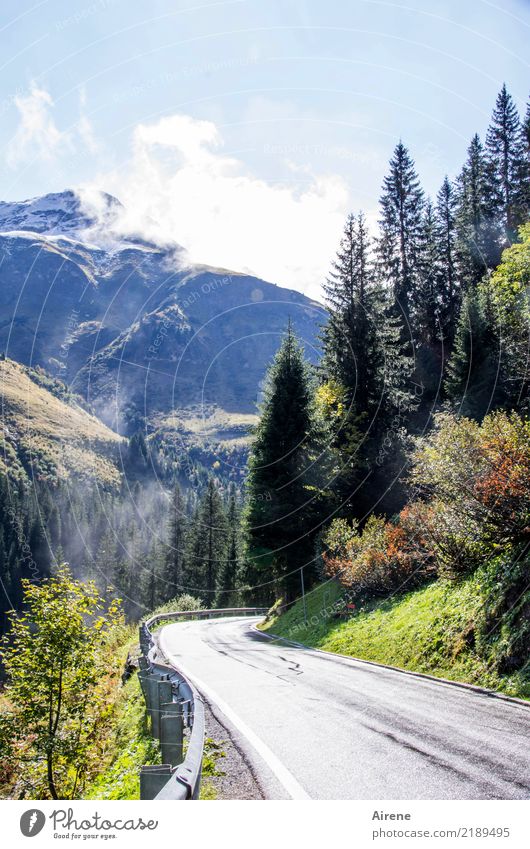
[(173, 704), (143, 678), (144, 638), (153, 778), (160, 692), (172, 733)]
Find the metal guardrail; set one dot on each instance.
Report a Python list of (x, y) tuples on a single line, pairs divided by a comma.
[(174, 707)]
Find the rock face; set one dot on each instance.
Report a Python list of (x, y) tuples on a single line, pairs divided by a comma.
[(133, 326)]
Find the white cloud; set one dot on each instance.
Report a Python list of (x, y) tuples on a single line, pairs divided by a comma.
[(223, 214), (37, 135), (38, 138), (84, 126)]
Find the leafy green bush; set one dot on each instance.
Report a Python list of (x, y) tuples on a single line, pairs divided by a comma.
[(56, 657)]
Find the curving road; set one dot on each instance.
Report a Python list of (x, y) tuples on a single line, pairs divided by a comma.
[(325, 727)]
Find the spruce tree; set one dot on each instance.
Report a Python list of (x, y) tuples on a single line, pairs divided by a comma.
[(471, 374), (446, 212), (525, 167), (526, 127), (505, 157), (399, 244), (349, 333), (174, 560), (207, 544), (430, 295), (363, 365), (281, 515), (226, 595), (478, 234)]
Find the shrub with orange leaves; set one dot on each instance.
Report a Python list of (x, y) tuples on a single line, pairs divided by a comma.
[(472, 486), (384, 557), (477, 476)]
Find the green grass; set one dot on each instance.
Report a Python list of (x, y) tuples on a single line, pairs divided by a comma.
[(129, 747), (210, 768), (429, 630)]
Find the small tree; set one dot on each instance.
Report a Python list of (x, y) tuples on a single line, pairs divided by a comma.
[(56, 656)]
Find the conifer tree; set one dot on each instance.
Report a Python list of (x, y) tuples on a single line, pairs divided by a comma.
[(227, 577), (446, 212), (208, 543), (281, 512), (505, 157), (525, 167), (526, 127), (350, 330), (178, 524), (399, 243), (478, 233), (363, 363), (472, 369), (430, 295)]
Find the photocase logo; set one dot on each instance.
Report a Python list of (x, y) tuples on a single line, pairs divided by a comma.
[(31, 822)]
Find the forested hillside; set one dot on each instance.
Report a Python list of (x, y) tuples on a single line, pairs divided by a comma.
[(409, 452)]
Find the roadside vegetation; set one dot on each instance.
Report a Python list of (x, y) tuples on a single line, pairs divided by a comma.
[(444, 588), (428, 630), (73, 722), (423, 489), (62, 659)]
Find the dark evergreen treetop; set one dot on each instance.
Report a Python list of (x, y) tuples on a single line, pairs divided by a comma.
[(478, 233), (399, 244), (348, 335), (506, 154), (446, 209), (282, 512)]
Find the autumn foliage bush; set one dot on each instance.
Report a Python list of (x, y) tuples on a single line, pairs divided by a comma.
[(382, 558), (476, 478), (470, 487)]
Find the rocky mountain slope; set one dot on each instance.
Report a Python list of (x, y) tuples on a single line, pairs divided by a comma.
[(134, 327)]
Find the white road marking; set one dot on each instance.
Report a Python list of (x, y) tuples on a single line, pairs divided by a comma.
[(286, 778)]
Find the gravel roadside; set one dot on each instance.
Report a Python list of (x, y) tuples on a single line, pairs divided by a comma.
[(236, 778)]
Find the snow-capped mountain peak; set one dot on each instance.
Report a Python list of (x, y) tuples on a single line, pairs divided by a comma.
[(59, 213)]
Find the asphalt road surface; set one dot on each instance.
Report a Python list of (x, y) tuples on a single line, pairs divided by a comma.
[(324, 727)]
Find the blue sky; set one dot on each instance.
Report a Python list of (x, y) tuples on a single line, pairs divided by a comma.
[(248, 129)]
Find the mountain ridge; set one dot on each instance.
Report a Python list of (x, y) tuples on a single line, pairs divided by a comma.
[(133, 327)]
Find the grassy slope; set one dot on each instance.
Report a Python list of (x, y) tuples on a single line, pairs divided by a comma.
[(57, 439), (423, 631), (128, 745)]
